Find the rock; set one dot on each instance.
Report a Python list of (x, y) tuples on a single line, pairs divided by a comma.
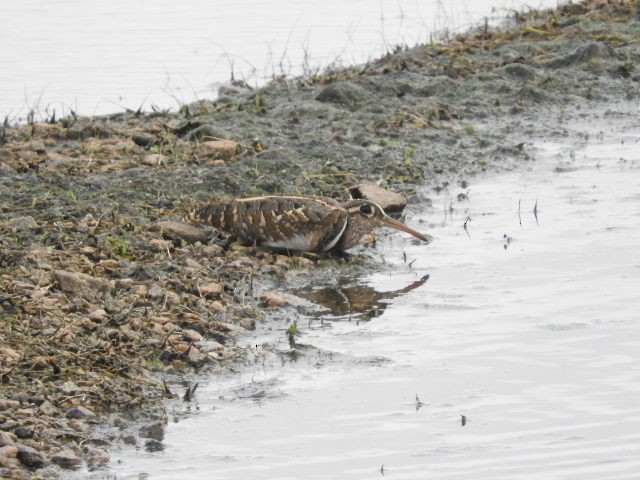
[(156, 291), (155, 431), (212, 250), (95, 457), (30, 457), (223, 149), (7, 438), (79, 413), (343, 93), (21, 224), (210, 289), (153, 159), (273, 299), (583, 54), (178, 230), (66, 458), (192, 336), (81, 284), (47, 408), (8, 357), (520, 71), (24, 432), (248, 323), (278, 299), (390, 201), (5, 403), (97, 315), (8, 459), (195, 357), (9, 451), (160, 245), (144, 139)]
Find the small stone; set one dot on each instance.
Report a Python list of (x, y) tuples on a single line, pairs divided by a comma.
[(7, 438), (217, 306), (248, 323), (153, 159), (68, 388), (80, 413), (21, 224), (195, 357), (212, 250), (8, 357), (192, 336), (97, 315), (210, 289), (8, 460), (95, 457), (120, 423), (277, 299), (179, 230), (66, 459), (343, 93), (156, 291), (9, 451), (47, 408), (223, 149), (389, 201), (273, 299), (30, 457), (81, 284), (155, 431), (37, 400), (24, 432), (160, 245)]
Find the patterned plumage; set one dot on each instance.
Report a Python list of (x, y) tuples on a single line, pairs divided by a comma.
[(310, 224)]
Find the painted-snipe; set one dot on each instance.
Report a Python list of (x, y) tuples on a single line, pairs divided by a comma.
[(308, 224)]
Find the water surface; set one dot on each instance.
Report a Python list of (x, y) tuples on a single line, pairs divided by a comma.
[(101, 57)]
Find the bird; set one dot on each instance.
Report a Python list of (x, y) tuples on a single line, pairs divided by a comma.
[(299, 223)]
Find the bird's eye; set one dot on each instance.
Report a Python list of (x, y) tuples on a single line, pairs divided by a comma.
[(366, 209)]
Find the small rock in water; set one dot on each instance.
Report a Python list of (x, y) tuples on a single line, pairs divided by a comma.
[(66, 458)]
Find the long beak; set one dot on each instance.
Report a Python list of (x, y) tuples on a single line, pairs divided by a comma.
[(387, 221)]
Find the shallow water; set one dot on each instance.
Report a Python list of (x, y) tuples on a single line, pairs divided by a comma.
[(526, 326), (101, 57)]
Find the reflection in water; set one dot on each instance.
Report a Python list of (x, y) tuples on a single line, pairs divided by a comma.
[(360, 301)]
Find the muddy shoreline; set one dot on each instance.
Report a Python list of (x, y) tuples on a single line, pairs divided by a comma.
[(105, 312)]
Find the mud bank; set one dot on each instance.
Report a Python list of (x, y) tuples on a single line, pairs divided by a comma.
[(106, 311)]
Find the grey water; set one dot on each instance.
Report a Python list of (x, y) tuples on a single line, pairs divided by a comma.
[(517, 358), (101, 57)]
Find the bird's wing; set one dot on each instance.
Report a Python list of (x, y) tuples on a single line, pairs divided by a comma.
[(297, 223)]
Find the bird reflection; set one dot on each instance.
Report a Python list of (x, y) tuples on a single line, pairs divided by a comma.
[(361, 301)]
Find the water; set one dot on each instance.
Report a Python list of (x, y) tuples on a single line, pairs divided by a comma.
[(102, 57), (527, 326)]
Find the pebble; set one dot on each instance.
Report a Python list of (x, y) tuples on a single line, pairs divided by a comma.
[(210, 289), (21, 224), (30, 457), (7, 438), (80, 413), (155, 291), (180, 231), (86, 286), (66, 458), (222, 149)]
